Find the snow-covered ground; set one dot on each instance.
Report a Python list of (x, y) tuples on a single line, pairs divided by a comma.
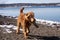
[(51, 22), (39, 21), (48, 23), (8, 27)]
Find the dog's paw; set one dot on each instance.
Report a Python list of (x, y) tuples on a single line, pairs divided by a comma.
[(17, 32)]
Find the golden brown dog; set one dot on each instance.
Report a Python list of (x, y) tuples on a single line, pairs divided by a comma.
[(25, 20)]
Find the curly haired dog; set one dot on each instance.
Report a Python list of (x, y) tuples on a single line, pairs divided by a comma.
[(25, 20)]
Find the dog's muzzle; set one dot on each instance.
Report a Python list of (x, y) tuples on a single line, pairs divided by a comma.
[(32, 19)]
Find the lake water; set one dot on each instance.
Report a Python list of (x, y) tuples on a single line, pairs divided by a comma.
[(47, 13)]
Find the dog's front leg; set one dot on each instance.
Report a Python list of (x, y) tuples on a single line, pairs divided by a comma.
[(27, 29)]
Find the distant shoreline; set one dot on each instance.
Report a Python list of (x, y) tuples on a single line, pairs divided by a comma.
[(31, 5), (35, 6)]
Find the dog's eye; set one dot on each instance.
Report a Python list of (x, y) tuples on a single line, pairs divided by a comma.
[(26, 14), (28, 17)]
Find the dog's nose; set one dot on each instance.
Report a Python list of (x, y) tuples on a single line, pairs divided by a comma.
[(32, 20)]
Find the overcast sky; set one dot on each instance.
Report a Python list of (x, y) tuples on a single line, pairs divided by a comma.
[(29, 1)]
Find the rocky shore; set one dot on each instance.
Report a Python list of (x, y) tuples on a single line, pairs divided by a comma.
[(46, 31)]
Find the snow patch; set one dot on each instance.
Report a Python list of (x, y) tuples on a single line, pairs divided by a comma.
[(7, 28), (39, 21), (47, 22)]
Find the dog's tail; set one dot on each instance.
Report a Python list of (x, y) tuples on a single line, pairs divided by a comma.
[(21, 10)]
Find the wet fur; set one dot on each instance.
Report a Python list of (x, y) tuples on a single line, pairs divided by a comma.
[(25, 20)]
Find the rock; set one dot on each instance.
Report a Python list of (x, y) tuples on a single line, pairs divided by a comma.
[(54, 24), (1, 22)]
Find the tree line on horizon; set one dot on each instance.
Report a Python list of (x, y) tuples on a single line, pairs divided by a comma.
[(29, 4)]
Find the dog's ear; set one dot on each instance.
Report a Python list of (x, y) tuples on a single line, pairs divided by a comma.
[(27, 14)]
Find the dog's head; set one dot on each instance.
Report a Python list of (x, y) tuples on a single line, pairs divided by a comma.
[(30, 17)]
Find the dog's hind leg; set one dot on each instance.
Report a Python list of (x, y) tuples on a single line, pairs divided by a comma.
[(24, 31), (18, 28)]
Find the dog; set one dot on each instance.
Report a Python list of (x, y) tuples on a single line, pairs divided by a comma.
[(25, 20)]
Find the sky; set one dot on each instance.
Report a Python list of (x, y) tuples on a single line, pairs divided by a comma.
[(28, 1)]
